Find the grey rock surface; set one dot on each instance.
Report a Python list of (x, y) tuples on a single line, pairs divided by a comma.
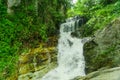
[(108, 74)]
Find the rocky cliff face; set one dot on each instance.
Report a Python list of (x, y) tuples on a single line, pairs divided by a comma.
[(36, 63), (108, 74), (104, 50), (101, 53)]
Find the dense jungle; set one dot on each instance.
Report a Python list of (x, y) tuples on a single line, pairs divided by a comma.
[(29, 33)]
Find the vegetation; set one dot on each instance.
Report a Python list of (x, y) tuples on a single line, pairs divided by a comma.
[(98, 13), (31, 22), (35, 20)]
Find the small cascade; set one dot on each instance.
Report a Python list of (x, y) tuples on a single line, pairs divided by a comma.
[(71, 61)]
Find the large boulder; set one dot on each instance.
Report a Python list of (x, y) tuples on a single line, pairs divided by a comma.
[(104, 50), (108, 74)]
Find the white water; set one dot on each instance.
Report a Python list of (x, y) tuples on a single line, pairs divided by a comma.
[(71, 61)]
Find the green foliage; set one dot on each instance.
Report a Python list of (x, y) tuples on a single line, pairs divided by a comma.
[(9, 45), (7, 66), (99, 13), (26, 27)]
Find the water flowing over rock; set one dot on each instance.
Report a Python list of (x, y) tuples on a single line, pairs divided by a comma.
[(100, 54), (71, 61)]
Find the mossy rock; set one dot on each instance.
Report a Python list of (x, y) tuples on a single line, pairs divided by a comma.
[(104, 50)]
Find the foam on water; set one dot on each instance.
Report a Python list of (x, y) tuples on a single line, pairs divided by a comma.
[(71, 61)]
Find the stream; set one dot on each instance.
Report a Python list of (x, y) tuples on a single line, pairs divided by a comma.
[(70, 57)]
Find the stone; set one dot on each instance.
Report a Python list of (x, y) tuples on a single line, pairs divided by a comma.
[(36, 63), (104, 49), (100, 54), (10, 4), (107, 74), (38, 74)]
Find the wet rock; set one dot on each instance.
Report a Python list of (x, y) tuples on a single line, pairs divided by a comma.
[(107, 74), (104, 50)]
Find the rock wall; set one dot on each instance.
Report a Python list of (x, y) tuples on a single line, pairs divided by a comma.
[(36, 63), (108, 74), (104, 50)]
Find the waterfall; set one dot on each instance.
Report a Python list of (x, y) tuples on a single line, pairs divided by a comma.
[(71, 61)]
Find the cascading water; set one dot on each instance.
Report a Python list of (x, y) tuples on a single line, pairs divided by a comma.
[(71, 61)]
